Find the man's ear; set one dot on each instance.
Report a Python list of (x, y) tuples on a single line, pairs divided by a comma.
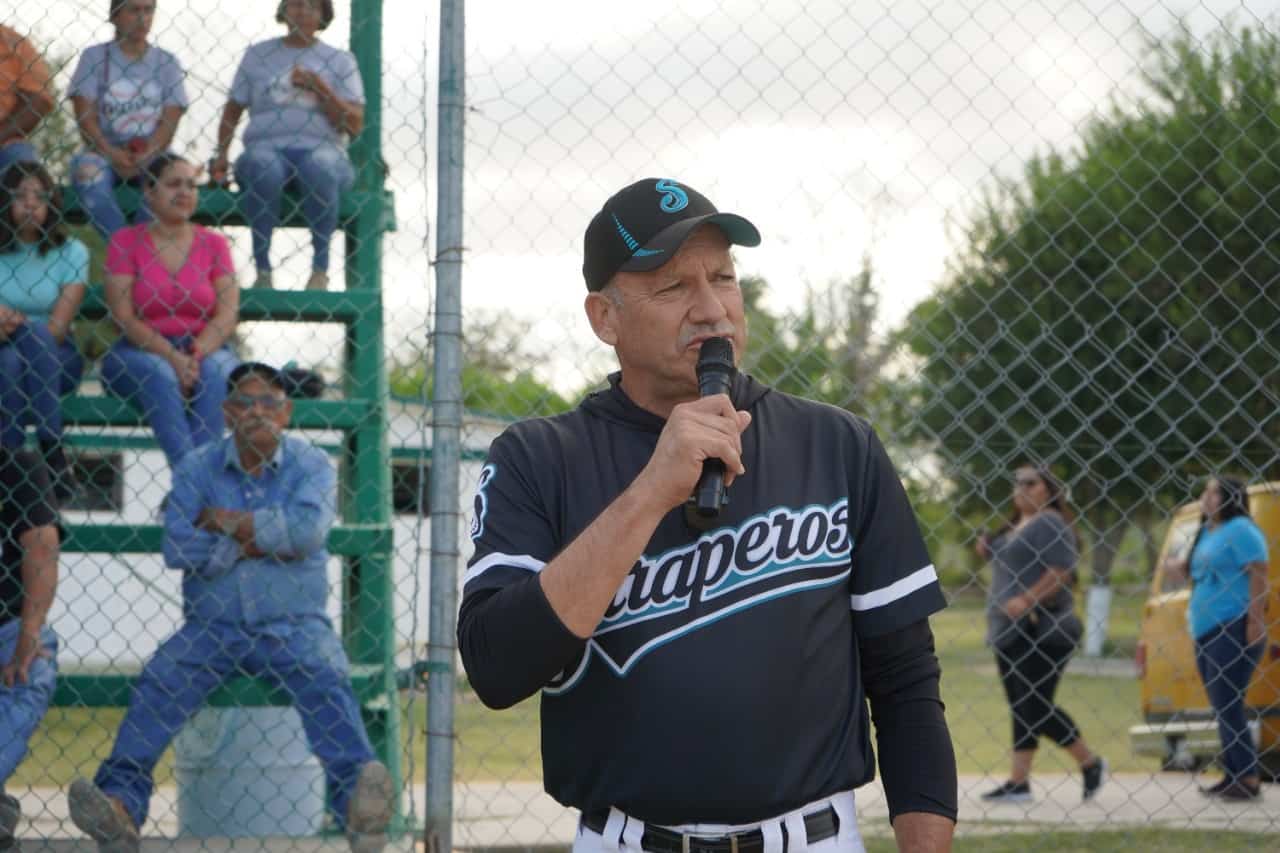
[(602, 312)]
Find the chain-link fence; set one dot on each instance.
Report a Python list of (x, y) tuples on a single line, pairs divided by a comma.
[(1005, 236)]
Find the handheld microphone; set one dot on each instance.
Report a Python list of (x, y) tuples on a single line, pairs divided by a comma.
[(715, 376)]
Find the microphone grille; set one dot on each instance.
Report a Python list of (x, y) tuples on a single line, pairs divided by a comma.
[(716, 353)]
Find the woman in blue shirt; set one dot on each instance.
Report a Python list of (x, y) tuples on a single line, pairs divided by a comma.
[(1226, 614), (42, 282)]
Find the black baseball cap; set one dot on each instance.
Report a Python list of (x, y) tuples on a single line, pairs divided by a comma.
[(642, 226), (265, 372)]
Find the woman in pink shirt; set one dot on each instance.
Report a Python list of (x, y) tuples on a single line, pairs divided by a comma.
[(171, 289)]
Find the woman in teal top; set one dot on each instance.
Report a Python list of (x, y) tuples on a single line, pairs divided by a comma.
[(1226, 614), (42, 282)]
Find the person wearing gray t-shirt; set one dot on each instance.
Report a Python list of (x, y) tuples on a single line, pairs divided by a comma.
[(1032, 626), (128, 96), (305, 101)]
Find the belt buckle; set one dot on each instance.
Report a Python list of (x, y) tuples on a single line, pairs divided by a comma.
[(685, 840)]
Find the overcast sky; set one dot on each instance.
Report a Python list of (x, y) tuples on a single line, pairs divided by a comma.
[(840, 128)]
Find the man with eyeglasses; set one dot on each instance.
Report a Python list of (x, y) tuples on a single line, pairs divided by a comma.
[(246, 522)]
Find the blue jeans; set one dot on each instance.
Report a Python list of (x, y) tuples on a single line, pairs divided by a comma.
[(35, 371), (23, 706), (1226, 664), (95, 182), (149, 383), (17, 152), (305, 657), (319, 175)]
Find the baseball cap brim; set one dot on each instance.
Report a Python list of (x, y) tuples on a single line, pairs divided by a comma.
[(667, 242)]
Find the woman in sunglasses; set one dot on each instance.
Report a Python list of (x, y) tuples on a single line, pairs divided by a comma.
[(171, 289), (1033, 627)]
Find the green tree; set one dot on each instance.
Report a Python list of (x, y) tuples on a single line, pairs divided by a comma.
[(493, 383), (1115, 312), (825, 350)]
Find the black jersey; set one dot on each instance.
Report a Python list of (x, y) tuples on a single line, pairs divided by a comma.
[(723, 684)]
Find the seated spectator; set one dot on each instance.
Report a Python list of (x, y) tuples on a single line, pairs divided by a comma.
[(305, 100), (25, 96), (171, 289), (128, 96), (42, 283), (246, 522), (28, 647)]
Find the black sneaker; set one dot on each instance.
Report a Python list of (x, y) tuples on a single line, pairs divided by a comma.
[(1009, 792), (9, 813), (1240, 792), (1215, 790), (1094, 775)]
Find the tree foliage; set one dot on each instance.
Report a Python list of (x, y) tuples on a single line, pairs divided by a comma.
[(1116, 311), (496, 379), (825, 350)]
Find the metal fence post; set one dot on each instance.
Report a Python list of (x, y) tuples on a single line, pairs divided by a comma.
[(446, 428)]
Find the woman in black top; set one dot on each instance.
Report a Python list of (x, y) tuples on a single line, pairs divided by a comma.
[(1033, 628)]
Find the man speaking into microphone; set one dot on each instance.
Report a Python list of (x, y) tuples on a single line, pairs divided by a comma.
[(705, 670)]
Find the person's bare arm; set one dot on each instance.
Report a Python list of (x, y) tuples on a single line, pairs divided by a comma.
[(65, 309), (226, 314), (1051, 581), (86, 112), (28, 112), (923, 832), (39, 583), (165, 129), (227, 123), (1256, 616)]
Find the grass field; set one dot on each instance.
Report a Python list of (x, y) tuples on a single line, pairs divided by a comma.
[(504, 745), (1102, 841)]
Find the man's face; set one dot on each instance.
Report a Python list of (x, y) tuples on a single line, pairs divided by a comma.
[(257, 411), (657, 320)]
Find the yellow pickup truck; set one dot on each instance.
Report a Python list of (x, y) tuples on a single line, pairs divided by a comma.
[(1178, 721)]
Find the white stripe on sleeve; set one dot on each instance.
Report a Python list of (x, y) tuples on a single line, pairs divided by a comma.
[(900, 588), (515, 561)]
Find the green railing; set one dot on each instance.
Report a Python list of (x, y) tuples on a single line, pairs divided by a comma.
[(363, 537)]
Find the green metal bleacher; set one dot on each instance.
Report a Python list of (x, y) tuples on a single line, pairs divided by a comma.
[(363, 536)]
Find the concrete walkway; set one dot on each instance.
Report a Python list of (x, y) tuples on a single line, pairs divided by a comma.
[(519, 815)]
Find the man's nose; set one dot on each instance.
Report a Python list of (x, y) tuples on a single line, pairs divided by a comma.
[(707, 306)]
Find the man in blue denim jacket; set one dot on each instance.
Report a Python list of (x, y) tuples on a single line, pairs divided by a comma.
[(246, 522)]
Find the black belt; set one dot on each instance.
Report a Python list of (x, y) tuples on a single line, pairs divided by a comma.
[(818, 826)]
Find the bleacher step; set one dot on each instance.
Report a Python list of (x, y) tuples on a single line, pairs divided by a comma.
[(79, 410)]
